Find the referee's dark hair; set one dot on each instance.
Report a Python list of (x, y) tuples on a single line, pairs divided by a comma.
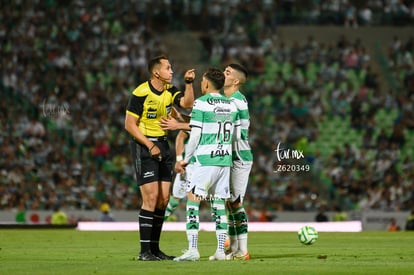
[(155, 61), (239, 68)]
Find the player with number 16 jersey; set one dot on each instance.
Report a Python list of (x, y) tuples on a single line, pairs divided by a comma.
[(217, 116), (214, 122)]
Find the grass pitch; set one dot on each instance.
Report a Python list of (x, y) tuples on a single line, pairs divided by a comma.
[(66, 251)]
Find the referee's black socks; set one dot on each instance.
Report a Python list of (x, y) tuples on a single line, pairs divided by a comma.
[(146, 220), (158, 220)]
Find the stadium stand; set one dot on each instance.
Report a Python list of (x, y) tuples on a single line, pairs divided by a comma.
[(346, 101)]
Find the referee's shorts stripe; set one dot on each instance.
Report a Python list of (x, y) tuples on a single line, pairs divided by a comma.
[(136, 157)]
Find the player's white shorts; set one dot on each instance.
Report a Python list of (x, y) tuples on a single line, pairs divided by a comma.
[(182, 184), (239, 178), (211, 181)]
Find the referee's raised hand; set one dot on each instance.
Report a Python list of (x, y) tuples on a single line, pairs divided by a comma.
[(189, 76)]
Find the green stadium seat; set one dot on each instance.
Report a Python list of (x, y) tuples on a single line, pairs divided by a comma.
[(311, 71)]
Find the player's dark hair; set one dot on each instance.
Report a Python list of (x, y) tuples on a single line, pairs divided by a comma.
[(215, 76), (239, 68), (155, 61)]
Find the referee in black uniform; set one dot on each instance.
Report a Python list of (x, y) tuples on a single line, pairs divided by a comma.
[(149, 102)]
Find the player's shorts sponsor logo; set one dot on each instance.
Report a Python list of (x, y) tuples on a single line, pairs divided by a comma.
[(148, 174)]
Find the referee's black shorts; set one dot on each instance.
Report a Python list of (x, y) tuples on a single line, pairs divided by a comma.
[(149, 169)]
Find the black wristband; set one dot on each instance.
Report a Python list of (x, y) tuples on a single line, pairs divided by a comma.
[(189, 81)]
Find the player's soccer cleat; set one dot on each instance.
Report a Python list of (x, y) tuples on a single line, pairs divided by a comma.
[(240, 256), (147, 256), (189, 255), (220, 256), (162, 256), (227, 247)]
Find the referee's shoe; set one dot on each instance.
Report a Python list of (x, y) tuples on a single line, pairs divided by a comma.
[(147, 256), (162, 256)]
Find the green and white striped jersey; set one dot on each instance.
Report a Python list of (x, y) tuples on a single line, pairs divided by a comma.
[(217, 118), (242, 145)]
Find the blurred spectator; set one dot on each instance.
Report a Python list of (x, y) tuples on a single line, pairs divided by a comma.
[(351, 15), (393, 226), (321, 215), (21, 214), (58, 217), (365, 15), (397, 136), (409, 224), (339, 215), (101, 152), (265, 215), (106, 215)]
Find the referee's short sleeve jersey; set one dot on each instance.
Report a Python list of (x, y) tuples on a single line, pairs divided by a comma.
[(150, 105)]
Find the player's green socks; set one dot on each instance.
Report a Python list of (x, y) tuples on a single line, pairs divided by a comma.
[(218, 213), (172, 205), (145, 219), (156, 229), (241, 220), (232, 231), (193, 223)]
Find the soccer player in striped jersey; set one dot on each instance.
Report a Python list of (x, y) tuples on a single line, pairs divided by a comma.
[(181, 185), (213, 121), (236, 75)]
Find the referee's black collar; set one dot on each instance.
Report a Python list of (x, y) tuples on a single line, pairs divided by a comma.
[(155, 91)]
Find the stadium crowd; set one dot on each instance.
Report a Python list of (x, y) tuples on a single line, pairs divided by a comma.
[(68, 68)]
